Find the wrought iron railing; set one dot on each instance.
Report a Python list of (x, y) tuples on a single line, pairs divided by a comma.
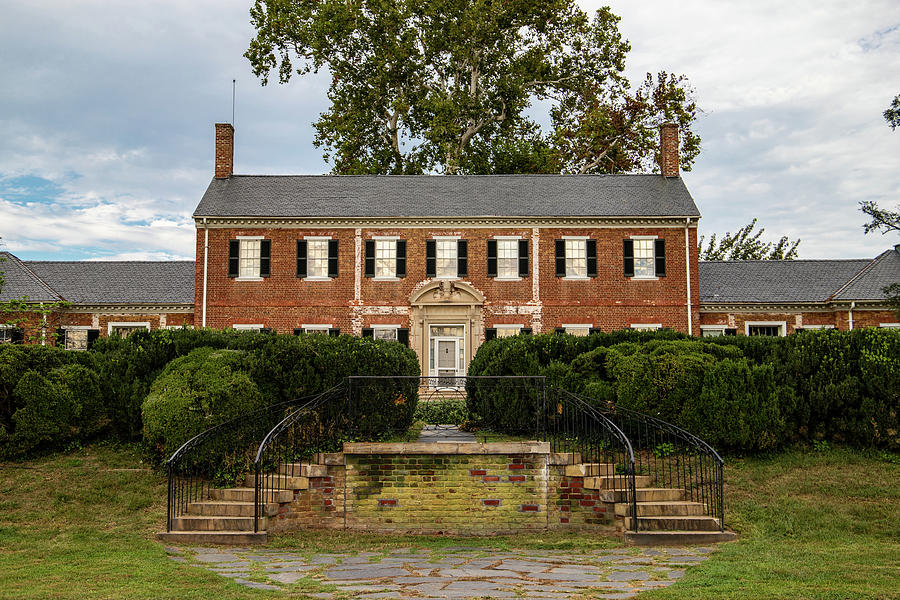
[(320, 425), (673, 458), (575, 427), (219, 456)]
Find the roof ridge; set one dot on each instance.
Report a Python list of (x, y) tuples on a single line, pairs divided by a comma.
[(862, 272), (786, 261), (35, 276)]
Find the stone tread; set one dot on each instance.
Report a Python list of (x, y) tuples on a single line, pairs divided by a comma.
[(678, 538), (213, 537), (676, 523)]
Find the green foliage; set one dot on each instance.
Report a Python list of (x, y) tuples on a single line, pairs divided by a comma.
[(195, 392), (737, 393), (892, 114), (55, 410), (449, 411), (446, 86), (744, 244)]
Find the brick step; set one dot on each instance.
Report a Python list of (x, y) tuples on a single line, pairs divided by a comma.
[(590, 469), (281, 482), (681, 523), (615, 482), (245, 494), (644, 495), (678, 538), (206, 523), (223, 538), (228, 509), (657, 509), (303, 470)]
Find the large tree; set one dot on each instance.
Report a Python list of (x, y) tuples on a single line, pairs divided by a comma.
[(444, 85), (884, 221), (744, 244)]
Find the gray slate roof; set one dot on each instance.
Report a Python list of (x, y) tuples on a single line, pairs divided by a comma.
[(117, 282), (20, 281), (776, 281), (447, 196), (881, 272)]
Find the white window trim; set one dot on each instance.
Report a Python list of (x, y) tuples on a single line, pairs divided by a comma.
[(587, 326), (249, 237), (646, 326), (508, 326), (385, 327), (77, 327), (446, 237), (722, 327), (386, 238), (508, 238), (317, 238), (578, 237), (317, 278), (248, 326), (179, 326), (782, 324), (575, 237), (316, 327), (646, 278), (111, 324), (817, 327), (889, 325), (249, 278)]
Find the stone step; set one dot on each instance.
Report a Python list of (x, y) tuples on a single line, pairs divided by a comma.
[(678, 538), (680, 523), (654, 509), (644, 495), (565, 458), (206, 523), (590, 469), (245, 494), (281, 482), (303, 470), (229, 509), (223, 538), (615, 482)]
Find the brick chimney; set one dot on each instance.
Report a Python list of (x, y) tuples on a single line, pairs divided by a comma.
[(668, 149), (224, 150)]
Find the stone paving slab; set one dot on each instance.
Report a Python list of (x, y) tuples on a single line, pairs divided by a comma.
[(457, 573)]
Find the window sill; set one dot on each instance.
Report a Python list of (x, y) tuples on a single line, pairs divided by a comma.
[(386, 279), (317, 278), (644, 278), (249, 278), (439, 278), (507, 279), (579, 278)]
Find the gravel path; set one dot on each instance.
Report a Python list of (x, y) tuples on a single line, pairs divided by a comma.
[(450, 572)]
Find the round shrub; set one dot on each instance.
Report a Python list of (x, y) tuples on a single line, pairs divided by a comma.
[(195, 392)]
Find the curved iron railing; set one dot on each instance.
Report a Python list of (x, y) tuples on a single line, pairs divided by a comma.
[(320, 425), (218, 456), (673, 458), (574, 426)]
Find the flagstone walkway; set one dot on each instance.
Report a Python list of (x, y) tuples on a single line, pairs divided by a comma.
[(456, 573)]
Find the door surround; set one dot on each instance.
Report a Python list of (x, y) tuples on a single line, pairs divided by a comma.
[(445, 302)]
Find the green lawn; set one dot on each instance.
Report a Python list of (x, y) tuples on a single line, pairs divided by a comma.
[(822, 525)]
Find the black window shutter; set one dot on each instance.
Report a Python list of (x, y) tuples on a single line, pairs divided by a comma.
[(560, 330), (560, 258), (525, 331), (628, 254), (332, 258), (594, 330), (265, 258), (591, 249), (234, 252), (334, 332), (492, 258), (93, 336), (430, 258), (731, 332), (462, 258), (370, 259), (18, 336), (298, 330), (301, 258), (368, 332), (401, 258), (61, 337), (403, 336), (523, 258), (660, 258), (490, 333)]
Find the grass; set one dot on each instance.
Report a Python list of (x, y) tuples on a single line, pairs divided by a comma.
[(812, 525), (818, 525)]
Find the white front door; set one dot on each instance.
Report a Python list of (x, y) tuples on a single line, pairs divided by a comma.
[(447, 357)]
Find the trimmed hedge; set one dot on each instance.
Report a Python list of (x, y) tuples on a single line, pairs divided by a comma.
[(737, 393), (281, 367)]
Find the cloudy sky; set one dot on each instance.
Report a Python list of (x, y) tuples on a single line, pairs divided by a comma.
[(107, 112)]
